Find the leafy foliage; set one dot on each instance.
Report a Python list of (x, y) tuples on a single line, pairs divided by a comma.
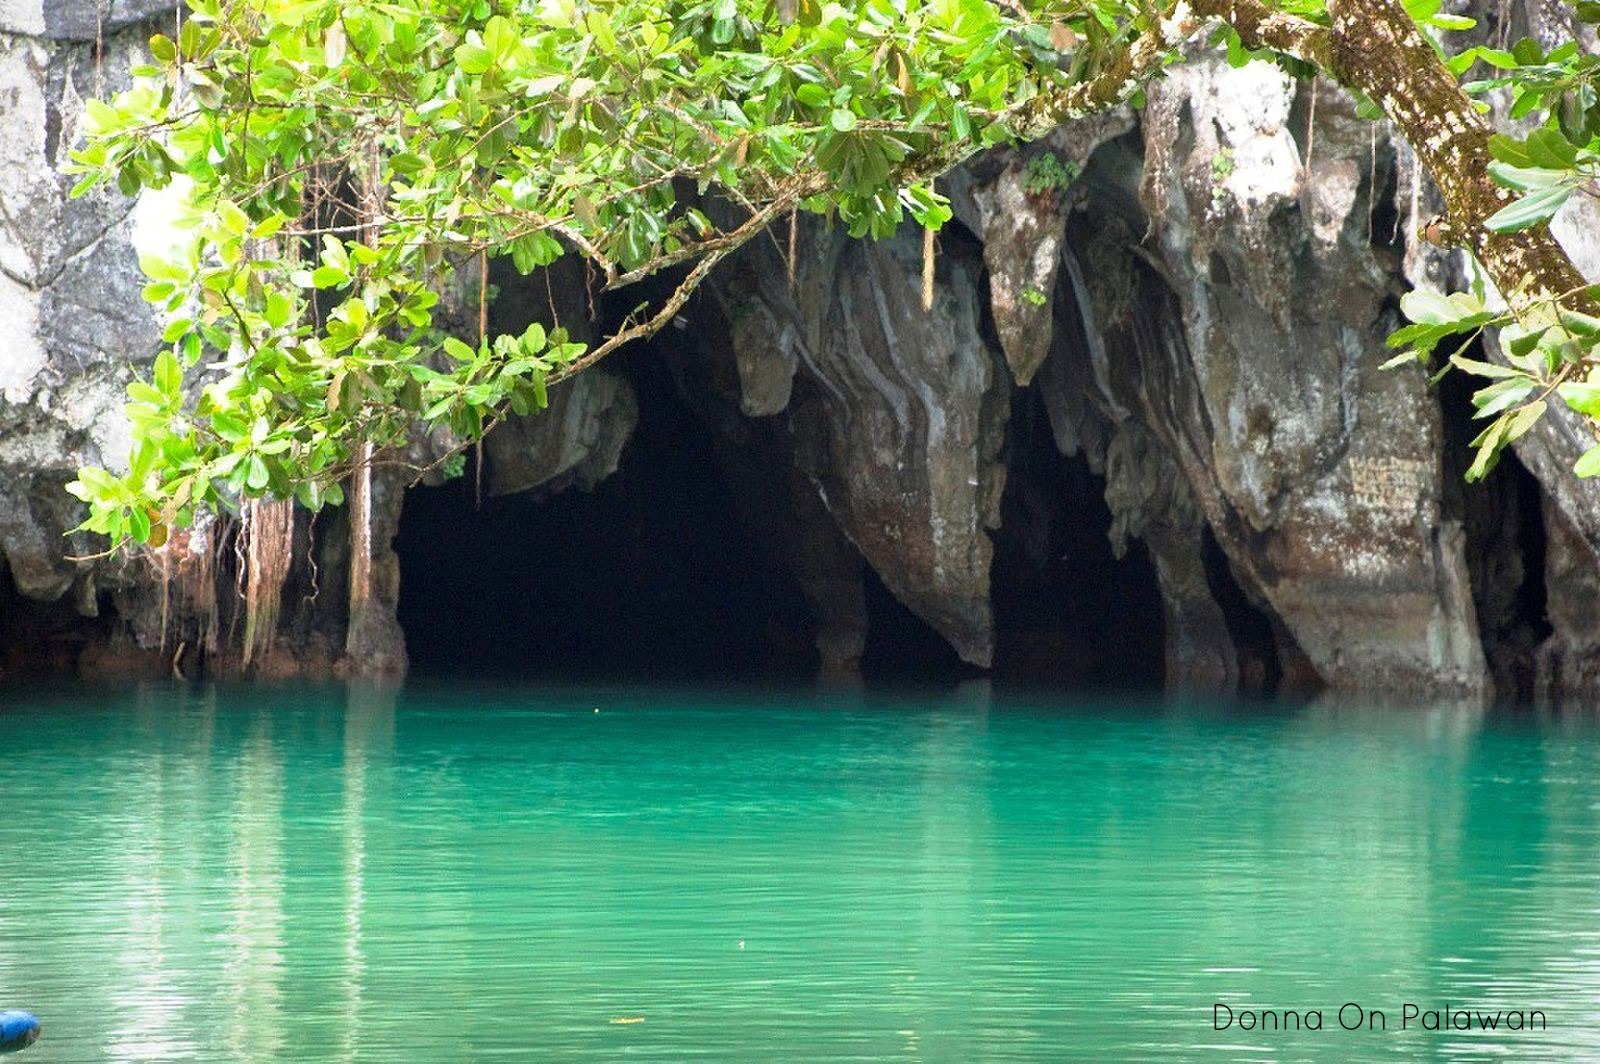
[(1550, 348), (338, 161), (1045, 174)]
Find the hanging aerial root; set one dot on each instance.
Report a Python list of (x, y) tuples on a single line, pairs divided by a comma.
[(185, 565), (927, 268), (268, 529)]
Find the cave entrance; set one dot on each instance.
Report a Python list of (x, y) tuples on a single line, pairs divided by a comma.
[(44, 638), (1068, 612), (1503, 519), (649, 577)]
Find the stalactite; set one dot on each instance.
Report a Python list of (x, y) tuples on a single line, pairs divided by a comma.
[(268, 529)]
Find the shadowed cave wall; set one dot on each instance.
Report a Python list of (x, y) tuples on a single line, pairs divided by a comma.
[(656, 574), (648, 575)]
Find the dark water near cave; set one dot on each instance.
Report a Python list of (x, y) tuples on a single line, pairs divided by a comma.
[(315, 874)]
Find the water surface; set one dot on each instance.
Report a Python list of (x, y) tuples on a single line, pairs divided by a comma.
[(316, 874)]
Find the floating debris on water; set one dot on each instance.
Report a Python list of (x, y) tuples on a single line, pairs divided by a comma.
[(18, 1030)]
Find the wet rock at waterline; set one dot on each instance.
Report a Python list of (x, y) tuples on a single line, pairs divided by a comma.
[(1328, 510)]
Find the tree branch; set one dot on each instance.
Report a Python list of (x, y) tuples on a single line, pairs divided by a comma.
[(1260, 26), (1119, 80)]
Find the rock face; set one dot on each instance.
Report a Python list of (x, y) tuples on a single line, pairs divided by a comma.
[(72, 324), (896, 412), (1570, 658), (1195, 299), (1018, 203), (578, 439), (77, 20), (1285, 424)]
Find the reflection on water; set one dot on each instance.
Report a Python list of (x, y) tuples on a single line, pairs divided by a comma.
[(200, 874)]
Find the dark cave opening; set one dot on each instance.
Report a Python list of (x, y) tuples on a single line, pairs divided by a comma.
[(1503, 521), (649, 576), (902, 649), (44, 638), (664, 572), (1249, 628), (1068, 611)]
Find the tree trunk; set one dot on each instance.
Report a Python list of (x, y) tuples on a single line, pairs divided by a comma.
[(358, 628), (1378, 49), (359, 622)]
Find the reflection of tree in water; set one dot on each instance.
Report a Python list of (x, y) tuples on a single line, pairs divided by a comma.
[(154, 799), (952, 875), (368, 731), (253, 965)]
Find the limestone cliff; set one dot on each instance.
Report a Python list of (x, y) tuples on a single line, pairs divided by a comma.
[(1195, 297)]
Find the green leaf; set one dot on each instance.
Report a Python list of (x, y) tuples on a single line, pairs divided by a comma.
[(1522, 343), (233, 219), (139, 525), (843, 119), (168, 374), (309, 495), (1484, 369), (1488, 445), (1430, 308), (1523, 420), (1527, 52), (1524, 178), (1530, 210), (812, 95), (1579, 323), (328, 277), (257, 476), (278, 309), (1502, 396), (1582, 397), (474, 58), (1497, 57), (1549, 149), (1589, 464)]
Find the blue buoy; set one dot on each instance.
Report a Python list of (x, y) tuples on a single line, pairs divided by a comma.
[(18, 1030)]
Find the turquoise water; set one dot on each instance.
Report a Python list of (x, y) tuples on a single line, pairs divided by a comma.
[(198, 874)]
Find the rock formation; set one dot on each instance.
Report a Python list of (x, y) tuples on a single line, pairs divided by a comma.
[(1196, 296)]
